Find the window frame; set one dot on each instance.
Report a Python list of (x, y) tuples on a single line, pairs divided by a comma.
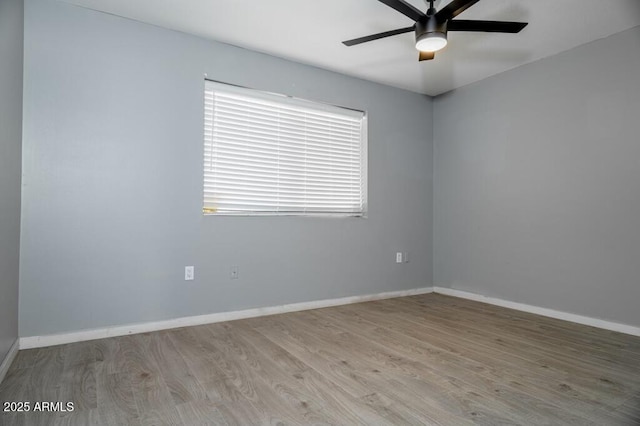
[(303, 103)]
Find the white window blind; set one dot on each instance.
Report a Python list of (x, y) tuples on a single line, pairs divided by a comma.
[(266, 154)]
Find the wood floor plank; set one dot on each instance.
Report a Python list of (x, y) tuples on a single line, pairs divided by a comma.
[(27, 419), (10, 419), (555, 340), (151, 394), (79, 418), (413, 362), (267, 395), (515, 373), (202, 412), (423, 360), (179, 379), (615, 339), (629, 411), (167, 416), (14, 386), (520, 344), (79, 376), (25, 358), (397, 412), (78, 354), (80, 386), (116, 404), (612, 384), (204, 368), (350, 377), (322, 359), (46, 376), (108, 355), (284, 359), (525, 350), (460, 375), (304, 392), (373, 365)]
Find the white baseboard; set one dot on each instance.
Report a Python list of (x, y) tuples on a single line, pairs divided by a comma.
[(8, 360), (594, 322), (123, 330)]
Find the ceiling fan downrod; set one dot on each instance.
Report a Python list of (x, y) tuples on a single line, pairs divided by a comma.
[(432, 10)]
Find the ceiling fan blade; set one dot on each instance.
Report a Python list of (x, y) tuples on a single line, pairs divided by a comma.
[(378, 36), (453, 9), (486, 26), (426, 56), (404, 8)]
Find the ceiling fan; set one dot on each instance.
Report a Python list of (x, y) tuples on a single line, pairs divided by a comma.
[(431, 28)]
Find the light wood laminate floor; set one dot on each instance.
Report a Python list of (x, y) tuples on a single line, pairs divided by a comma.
[(428, 359)]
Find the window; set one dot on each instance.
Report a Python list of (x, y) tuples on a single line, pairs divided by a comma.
[(267, 154)]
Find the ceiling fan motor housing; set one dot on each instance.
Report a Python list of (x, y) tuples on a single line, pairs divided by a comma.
[(429, 27)]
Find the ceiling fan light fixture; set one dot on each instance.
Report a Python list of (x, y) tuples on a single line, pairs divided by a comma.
[(431, 28), (431, 42)]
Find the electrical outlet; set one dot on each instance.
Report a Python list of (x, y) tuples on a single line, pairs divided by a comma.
[(234, 273), (189, 273), (398, 257)]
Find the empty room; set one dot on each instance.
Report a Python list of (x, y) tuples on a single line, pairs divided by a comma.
[(345, 212)]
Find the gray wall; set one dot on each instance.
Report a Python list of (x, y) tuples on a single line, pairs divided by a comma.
[(11, 39), (112, 176), (537, 183)]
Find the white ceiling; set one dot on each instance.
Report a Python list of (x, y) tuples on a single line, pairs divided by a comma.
[(311, 32)]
